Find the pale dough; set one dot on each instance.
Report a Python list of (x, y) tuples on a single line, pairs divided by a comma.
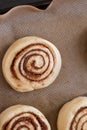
[(73, 115), (31, 63), (22, 117)]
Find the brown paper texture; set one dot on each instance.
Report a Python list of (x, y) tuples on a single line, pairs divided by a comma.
[(64, 23)]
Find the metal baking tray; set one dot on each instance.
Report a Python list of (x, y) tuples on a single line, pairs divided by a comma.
[(6, 5)]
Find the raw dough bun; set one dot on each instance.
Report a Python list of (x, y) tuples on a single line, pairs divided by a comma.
[(22, 117), (73, 115), (31, 63)]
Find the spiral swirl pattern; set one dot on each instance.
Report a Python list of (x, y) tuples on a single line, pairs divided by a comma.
[(25, 121), (73, 115), (22, 117), (31, 63), (35, 62), (79, 121)]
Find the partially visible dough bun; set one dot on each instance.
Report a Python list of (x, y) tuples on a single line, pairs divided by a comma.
[(31, 63), (22, 117), (73, 115)]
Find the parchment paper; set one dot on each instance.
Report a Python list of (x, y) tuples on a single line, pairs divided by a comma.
[(65, 24)]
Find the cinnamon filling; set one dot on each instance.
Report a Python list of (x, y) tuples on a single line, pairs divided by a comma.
[(77, 122), (29, 73), (26, 120)]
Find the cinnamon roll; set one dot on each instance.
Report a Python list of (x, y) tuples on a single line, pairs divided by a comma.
[(31, 63), (22, 117), (73, 115)]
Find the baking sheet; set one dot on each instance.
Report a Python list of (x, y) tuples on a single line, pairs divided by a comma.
[(65, 24)]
